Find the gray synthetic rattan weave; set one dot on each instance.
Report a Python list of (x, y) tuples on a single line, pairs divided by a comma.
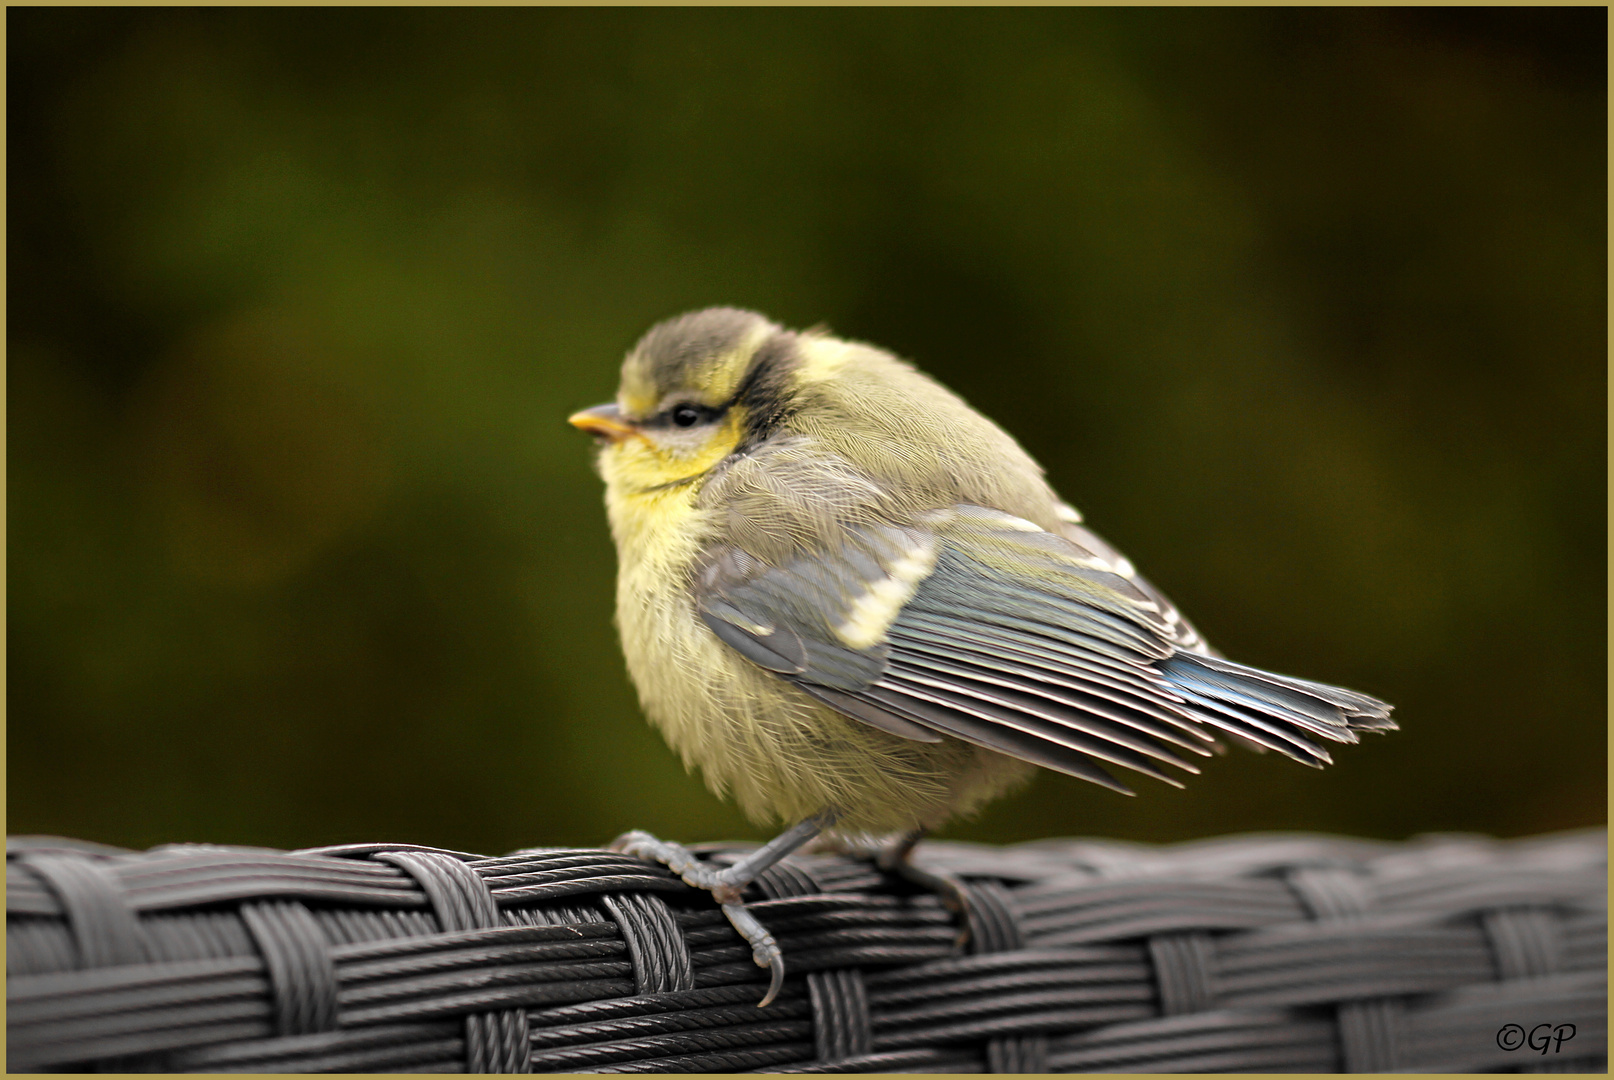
[(1256, 953)]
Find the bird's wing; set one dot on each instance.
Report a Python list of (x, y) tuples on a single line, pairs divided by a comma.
[(1297, 705), (972, 624), (1183, 631), (977, 625)]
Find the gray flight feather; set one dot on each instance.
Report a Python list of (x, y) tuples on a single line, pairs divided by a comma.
[(1043, 646)]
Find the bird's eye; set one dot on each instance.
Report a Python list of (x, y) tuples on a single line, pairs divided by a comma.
[(686, 415)]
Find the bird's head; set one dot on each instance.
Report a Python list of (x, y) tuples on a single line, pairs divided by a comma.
[(694, 390)]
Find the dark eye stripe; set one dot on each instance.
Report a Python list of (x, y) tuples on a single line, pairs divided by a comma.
[(685, 414), (765, 392)]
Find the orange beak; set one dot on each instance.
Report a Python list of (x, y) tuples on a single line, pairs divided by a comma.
[(603, 422)]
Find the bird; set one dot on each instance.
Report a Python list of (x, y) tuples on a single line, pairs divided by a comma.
[(858, 607)]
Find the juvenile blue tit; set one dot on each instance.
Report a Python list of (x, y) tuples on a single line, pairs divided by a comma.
[(855, 604)]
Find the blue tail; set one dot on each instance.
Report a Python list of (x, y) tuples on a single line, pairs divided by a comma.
[(1274, 711)]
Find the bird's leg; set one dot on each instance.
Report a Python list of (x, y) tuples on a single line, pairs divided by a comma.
[(897, 859), (896, 855), (728, 884)]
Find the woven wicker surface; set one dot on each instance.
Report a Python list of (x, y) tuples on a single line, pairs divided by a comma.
[(1255, 953)]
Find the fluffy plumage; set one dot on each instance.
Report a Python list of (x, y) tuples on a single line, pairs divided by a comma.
[(842, 588)]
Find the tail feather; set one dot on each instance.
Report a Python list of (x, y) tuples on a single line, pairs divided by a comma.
[(1254, 729), (1275, 711)]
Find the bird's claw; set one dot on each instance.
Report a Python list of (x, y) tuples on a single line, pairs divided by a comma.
[(725, 890), (948, 889), (765, 950), (674, 856)]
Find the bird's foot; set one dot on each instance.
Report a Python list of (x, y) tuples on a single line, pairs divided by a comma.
[(728, 884), (675, 857), (765, 951), (898, 859)]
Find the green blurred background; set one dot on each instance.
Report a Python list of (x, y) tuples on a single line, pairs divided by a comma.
[(1304, 308)]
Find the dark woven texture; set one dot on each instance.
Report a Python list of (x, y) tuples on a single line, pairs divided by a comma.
[(1261, 953)]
